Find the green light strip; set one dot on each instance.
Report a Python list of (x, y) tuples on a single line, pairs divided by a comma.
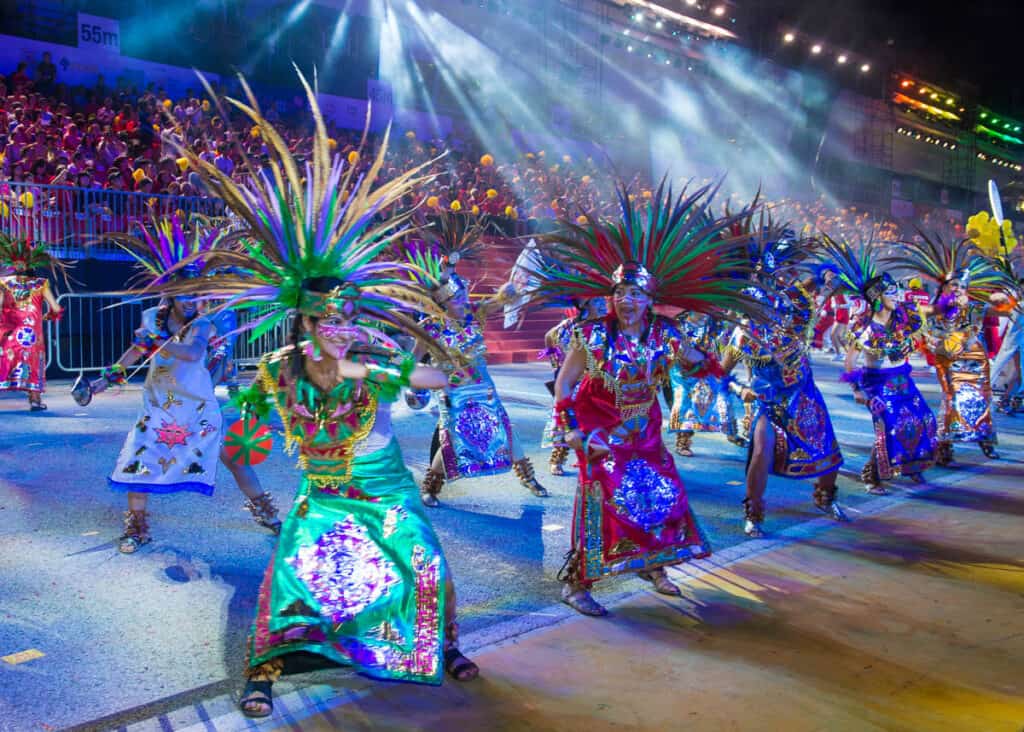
[(999, 135)]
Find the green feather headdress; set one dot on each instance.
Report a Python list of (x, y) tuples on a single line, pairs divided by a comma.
[(21, 255), (167, 243), (296, 223), (670, 245), (858, 267), (958, 259)]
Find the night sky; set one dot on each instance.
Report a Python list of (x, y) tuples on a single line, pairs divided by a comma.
[(972, 47)]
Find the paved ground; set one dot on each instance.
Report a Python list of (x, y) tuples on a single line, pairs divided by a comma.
[(154, 641)]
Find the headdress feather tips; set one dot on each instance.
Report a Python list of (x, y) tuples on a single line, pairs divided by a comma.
[(297, 222), (670, 245), (941, 261)]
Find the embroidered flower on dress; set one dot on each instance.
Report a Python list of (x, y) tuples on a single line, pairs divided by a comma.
[(345, 570)]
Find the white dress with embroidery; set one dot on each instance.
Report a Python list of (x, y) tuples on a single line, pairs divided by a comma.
[(175, 443)]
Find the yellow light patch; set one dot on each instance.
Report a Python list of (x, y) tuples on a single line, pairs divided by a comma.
[(734, 482), (22, 656)]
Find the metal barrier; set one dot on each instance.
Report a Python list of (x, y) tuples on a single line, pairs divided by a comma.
[(98, 327), (69, 219)]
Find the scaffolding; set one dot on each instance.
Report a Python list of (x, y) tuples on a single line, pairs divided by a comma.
[(873, 143)]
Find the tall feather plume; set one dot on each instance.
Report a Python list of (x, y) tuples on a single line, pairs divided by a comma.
[(938, 260), (166, 243), (35, 256), (295, 222), (855, 265), (692, 255)]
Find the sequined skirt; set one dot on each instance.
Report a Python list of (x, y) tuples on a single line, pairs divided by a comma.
[(966, 397), (475, 432), (358, 577), (805, 443), (631, 513), (904, 424), (701, 405)]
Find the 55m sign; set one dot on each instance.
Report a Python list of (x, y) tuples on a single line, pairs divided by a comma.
[(102, 34)]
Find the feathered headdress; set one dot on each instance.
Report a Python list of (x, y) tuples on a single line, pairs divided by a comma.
[(942, 262), (431, 270), (457, 236), (770, 246), (672, 247), (166, 243), (858, 268), (299, 223), (21, 255)]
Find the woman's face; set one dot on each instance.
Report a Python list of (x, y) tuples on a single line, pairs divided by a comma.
[(185, 307), (334, 334), (889, 297), (631, 305)]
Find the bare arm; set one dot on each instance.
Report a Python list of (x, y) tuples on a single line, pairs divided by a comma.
[(427, 377), (192, 347), (573, 369), (51, 301)]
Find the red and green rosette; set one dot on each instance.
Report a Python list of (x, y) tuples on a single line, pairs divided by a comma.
[(248, 442)]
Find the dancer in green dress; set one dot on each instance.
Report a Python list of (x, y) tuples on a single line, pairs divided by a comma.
[(358, 577)]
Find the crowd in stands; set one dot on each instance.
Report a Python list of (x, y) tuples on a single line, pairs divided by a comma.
[(124, 139)]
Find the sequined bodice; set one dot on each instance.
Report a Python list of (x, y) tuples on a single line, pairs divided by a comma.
[(467, 340), (323, 427), (27, 292), (784, 338), (632, 369), (953, 329), (893, 340)]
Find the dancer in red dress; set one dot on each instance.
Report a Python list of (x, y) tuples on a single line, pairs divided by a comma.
[(632, 513), (22, 293)]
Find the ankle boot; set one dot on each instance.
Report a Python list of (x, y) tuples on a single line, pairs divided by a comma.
[(264, 512), (683, 442), (825, 501), (433, 481), (523, 469), (136, 531), (557, 463), (753, 518)]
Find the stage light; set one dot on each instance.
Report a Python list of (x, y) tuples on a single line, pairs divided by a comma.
[(629, 48), (841, 58), (691, 3), (719, 11), (659, 24), (668, 62), (907, 83), (983, 115), (922, 90), (865, 68), (949, 101), (816, 48), (625, 32), (789, 38)]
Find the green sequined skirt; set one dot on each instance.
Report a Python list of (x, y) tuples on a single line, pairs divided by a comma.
[(358, 577)]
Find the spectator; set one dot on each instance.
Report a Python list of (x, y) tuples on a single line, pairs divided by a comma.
[(46, 75)]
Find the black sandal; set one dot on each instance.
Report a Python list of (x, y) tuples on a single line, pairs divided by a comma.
[(458, 666), (257, 692)]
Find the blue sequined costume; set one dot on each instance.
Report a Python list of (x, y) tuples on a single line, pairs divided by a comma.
[(805, 443)]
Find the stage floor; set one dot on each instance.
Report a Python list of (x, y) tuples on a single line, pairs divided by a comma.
[(909, 618)]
